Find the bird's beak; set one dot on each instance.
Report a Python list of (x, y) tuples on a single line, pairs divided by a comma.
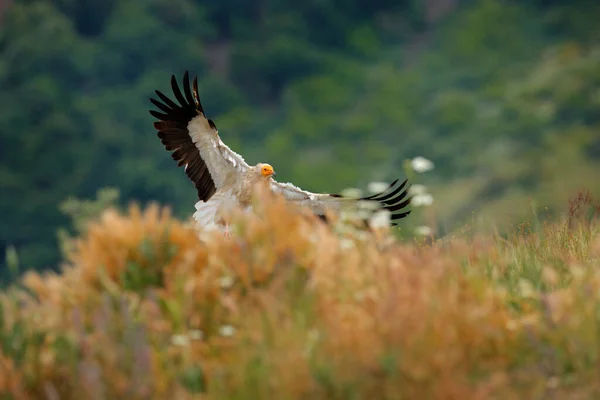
[(273, 175)]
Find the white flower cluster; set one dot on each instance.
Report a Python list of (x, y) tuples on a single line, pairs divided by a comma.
[(225, 282), (421, 164), (226, 331), (184, 339), (423, 230), (377, 187), (420, 196)]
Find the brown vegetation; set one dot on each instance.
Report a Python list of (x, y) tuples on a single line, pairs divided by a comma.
[(289, 308)]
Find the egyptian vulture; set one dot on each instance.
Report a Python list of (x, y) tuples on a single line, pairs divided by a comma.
[(222, 177)]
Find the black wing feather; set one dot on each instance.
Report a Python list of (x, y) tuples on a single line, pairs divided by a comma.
[(177, 91), (165, 99), (173, 132), (160, 105), (186, 88), (393, 200)]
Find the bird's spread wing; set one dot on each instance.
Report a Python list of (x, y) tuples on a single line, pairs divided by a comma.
[(394, 199), (194, 140)]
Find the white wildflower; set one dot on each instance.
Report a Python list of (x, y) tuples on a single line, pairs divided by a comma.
[(381, 219), (417, 189), (226, 331), (421, 164), (368, 205), (195, 334), (352, 192), (526, 288), (422, 200), (346, 244), (377, 187), (180, 340), (359, 215), (226, 282), (423, 230)]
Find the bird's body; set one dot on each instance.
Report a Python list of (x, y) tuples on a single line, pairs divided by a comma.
[(222, 177), (235, 193)]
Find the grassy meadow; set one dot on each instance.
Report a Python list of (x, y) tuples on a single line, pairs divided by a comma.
[(489, 290), (289, 308)]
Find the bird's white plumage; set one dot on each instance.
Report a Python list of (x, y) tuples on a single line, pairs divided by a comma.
[(212, 214), (206, 212), (223, 163), (291, 192)]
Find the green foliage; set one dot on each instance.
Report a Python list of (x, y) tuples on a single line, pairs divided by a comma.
[(11, 260), (149, 271), (80, 212), (193, 380), (502, 96)]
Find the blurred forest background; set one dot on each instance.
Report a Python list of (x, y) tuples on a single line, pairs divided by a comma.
[(503, 96)]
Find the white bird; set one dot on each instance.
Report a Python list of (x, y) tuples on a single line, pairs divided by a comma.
[(223, 179)]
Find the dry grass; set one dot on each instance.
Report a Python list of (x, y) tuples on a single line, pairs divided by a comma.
[(288, 308)]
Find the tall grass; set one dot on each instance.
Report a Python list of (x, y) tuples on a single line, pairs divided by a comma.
[(145, 308)]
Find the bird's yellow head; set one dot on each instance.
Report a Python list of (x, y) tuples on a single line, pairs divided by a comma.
[(266, 170)]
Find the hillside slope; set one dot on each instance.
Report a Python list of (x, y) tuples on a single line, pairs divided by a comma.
[(501, 95)]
